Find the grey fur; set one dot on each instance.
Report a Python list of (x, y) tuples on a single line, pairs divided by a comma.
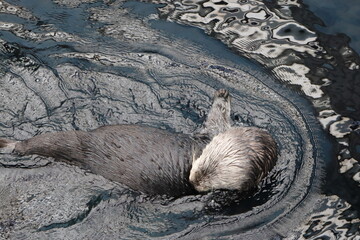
[(155, 161), (146, 159), (218, 119), (7, 146)]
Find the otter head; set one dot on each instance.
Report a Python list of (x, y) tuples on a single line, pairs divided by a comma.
[(237, 159), (222, 164)]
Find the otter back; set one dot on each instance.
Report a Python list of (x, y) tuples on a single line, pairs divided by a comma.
[(147, 159)]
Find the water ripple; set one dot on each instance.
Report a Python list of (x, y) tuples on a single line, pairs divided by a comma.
[(119, 69)]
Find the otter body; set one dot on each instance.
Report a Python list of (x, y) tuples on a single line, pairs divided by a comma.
[(155, 161), (147, 159)]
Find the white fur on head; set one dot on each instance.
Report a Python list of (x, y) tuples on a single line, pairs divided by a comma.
[(235, 159)]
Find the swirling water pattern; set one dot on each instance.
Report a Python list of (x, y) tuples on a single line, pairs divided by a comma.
[(115, 68), (323, 67), (282, 36)]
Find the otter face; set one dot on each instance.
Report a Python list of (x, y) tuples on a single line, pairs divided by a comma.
[(217, 172), (199, 178), (222, 164)]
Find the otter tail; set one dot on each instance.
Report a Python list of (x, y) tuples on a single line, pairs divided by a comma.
[(7, 146)]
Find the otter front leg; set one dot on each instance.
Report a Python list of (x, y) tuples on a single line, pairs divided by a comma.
[(218, 119)]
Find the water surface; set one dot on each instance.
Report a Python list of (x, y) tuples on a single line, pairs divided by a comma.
[(121, 63)]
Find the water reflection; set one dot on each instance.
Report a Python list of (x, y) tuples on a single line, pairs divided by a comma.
[(283, 36), (113, 67), (338, 18)]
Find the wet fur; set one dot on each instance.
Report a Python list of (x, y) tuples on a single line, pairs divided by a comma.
[(155, 161), (147, 159), (237, 159)]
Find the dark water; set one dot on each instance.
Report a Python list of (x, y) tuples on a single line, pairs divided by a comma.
[(338, 18), (83, 64)]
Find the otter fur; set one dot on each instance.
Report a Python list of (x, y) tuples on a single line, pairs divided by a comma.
[(246, 156), (155, 161)]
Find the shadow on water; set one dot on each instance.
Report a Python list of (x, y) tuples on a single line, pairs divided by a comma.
[(121, 64)]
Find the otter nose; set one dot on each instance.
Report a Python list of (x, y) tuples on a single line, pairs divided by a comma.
[(195, 182)]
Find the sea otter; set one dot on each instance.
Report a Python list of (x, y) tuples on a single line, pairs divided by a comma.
[(155, 161)]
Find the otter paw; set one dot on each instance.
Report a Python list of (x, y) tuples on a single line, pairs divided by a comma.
[(6, 146), (222, 93)]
